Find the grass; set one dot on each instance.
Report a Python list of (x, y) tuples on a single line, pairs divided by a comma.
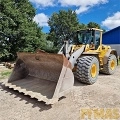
[(5, 74)]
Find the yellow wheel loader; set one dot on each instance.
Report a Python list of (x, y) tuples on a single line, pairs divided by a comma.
[(47, 77)]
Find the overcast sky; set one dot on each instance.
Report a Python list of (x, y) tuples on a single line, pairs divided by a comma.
[(104, 12)]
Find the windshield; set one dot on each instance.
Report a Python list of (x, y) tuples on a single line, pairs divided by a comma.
[(84, 37)]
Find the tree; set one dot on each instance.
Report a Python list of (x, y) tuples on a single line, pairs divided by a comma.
[(62, 24), (18, 32), (93, 25)]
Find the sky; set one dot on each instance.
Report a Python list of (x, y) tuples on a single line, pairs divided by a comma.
[(104, 12)]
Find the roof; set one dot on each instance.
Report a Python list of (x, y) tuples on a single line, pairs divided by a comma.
[(91, 29), (117, 28)]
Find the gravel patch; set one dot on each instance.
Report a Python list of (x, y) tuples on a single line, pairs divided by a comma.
[(105, 93)]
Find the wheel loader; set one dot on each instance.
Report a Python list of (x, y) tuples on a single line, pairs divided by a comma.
[(47, 77)]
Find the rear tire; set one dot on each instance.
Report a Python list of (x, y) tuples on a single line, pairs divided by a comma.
[(111, 65), (87, 69)]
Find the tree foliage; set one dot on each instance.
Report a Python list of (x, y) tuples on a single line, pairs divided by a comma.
[(62, 24), (18, 32), (93, 25)]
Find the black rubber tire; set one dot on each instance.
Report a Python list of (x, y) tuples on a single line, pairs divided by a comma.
[(84, 65), (106, 68)]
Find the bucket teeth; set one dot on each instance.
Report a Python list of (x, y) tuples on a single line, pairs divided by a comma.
[(38, 96)]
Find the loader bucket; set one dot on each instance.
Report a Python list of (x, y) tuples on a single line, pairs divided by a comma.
[(43, 76)]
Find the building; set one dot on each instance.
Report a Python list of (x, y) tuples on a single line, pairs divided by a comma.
[(112, 38)]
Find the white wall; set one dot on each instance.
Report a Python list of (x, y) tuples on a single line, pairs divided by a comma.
[(116, 46)]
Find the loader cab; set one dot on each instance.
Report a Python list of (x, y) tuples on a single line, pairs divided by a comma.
[(91, 36)]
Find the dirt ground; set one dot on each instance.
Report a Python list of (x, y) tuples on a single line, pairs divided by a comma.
[(105, 93)]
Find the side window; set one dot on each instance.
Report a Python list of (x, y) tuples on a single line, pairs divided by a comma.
[(97, 39), (80, 38)]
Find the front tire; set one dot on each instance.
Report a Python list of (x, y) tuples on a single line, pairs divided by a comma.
[(87, 69)]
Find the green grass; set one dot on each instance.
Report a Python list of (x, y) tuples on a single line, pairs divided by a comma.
[(5, 74)]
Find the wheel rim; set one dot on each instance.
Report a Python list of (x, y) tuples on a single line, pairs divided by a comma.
[(94, 70), (112, 65)]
